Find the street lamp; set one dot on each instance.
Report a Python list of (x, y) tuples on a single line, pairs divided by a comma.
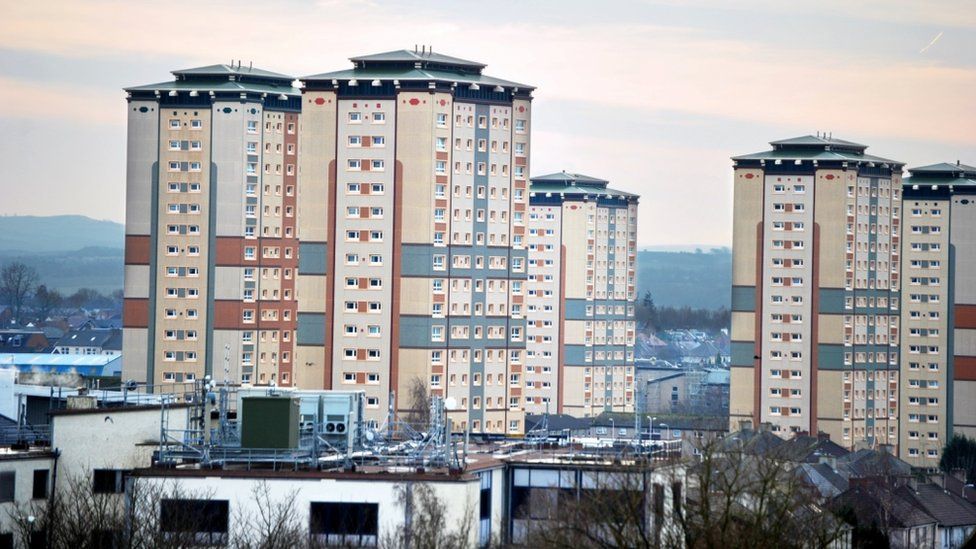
[(653, 419), (669, 429), (613, 430)]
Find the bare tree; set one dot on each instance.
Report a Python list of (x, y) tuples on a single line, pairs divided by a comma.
[(426, 525), (275, 526), (418, 400), (724, 498), (46, 301), (17, 282), (740, 499), (622, 508), (77, 517)]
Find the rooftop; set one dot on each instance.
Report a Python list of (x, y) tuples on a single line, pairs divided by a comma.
[(816, 147), (224, 78), (943, 173), (412, 66), (566, 183)]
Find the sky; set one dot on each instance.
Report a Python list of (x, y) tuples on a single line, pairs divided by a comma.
[(654, 96)]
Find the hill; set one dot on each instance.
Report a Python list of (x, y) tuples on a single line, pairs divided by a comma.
[(698, 280), (29, 234)]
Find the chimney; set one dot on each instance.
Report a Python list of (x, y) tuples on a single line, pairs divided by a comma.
[(823, 437), (765, 427), (745, 425)]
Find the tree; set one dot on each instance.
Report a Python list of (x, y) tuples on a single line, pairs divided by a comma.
[(46, 301), (418, 401), (276, 525), (752, 500), (427, 523), (960, 453), (17, 282)]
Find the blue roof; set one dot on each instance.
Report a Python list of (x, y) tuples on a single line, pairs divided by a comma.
[(92, 365)]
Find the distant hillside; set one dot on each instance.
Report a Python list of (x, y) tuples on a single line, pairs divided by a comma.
[(698, 280), (97, 268), (57, 233)]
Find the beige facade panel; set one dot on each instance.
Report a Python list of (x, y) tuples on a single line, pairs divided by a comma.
[(964, 409), (141, 155), (741, 399), (227, 283), (136, 281), (575, 229), (415, 296), (309, 370), (310, 292), (831, 329), (830, 215), (748, 201), (744, 326), (135, 343), (416, 150), (317, 145)]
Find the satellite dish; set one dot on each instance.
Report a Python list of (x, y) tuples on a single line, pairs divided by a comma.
[(450, 403), (370, 436)]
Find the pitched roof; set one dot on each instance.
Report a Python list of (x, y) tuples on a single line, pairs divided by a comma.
[(816, 141), (809, 449), (227, 70), (405, 65), (823, 478), (426, 57), (901, 512), (941, 174), (88, 338), (872, 463), (810, 147), (949, 509), (224, 78), (575, 184)]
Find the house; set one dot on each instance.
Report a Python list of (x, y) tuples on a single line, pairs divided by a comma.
[(24, 340), (876, 510), (90, 342), (956, 517)]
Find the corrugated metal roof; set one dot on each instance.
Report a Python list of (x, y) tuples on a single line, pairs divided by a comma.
[(49, 359)]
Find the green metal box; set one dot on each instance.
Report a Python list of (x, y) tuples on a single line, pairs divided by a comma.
[(269, 422)]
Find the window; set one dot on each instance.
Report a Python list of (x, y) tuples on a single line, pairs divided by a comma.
[(205, 520), (108, 481), (379, 118), (8, 482), (344, 523), (40, 483)]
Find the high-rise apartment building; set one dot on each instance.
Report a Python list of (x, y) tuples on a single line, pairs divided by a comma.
[(581, 291), (211, 250), (938, 322), (413, 209), (815, 296)]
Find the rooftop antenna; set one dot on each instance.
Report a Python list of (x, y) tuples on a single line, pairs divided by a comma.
[(415, 48), (831, 136), (423, 49), (250, 64)]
